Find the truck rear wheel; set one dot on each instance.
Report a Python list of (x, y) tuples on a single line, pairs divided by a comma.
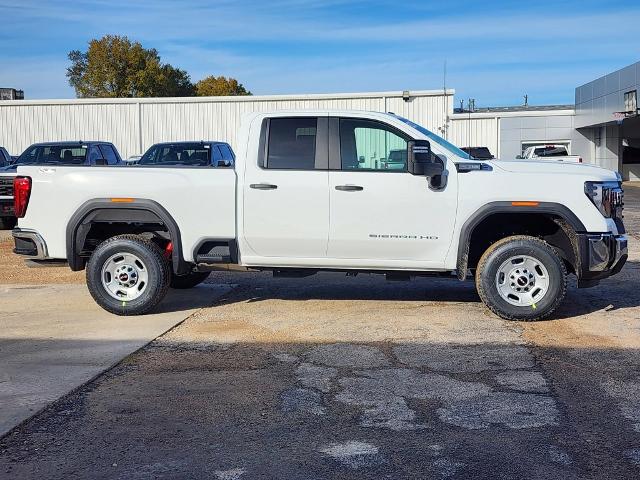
[(521, 278), (128, 275), (190, 280)]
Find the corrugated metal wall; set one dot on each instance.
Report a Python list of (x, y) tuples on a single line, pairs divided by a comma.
[(20, 126), (475, 132), (135, 124)]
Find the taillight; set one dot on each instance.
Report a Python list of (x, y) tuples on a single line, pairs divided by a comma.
[(21, 194)]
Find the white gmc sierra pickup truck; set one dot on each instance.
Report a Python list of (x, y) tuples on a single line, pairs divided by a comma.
[(310, 192), (557, 153)]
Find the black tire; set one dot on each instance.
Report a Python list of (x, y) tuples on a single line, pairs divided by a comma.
[(157, 271), (7, 223), (190, 280), (501, 251)]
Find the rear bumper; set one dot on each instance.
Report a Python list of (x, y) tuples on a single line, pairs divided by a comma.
[(601, 255), (29, 244)]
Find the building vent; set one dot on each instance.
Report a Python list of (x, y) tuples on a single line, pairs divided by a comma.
[(631, 103), (11, 94)]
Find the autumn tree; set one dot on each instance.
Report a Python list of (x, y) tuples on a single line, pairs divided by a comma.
[(213, 86), (114, 66)]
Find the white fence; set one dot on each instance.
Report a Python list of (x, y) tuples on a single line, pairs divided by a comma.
[(135, 124)]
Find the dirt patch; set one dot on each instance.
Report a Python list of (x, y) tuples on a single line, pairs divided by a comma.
[(14, 270)]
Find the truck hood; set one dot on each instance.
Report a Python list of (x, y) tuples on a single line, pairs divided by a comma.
[(553, 167)]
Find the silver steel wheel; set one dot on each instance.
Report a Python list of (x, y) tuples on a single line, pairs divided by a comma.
[(124, 276), (522, 280)]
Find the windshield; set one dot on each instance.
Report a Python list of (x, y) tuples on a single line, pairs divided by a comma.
[(435, 138), (53, 154), (195, 154), (551, 151)]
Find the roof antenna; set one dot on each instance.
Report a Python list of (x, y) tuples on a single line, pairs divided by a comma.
[(445, 127), (526, 100)]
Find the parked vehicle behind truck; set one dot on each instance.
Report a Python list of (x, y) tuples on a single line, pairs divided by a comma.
[(51, 154), (5, 158), (7, 220), (558, 153), (301, 200), (188, 154), (479, 153)]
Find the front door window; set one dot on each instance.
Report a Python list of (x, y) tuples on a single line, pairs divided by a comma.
[(371, 146)]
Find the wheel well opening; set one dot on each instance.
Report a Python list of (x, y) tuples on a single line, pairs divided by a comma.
[(102, 224), (551, 228), (98, 232)]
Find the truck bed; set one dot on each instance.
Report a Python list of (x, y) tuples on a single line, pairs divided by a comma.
[(200, 200)]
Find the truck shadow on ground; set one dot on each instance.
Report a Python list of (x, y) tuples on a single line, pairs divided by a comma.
[(621, 291)]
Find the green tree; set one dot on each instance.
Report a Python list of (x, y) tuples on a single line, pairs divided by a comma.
[(114, 66), (213, 86)]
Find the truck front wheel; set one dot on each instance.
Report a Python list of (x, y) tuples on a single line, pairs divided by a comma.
[(521, 278), (128, 275)]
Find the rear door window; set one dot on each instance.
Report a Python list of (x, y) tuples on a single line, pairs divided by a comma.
[(292, 143), (96, 157), (216, 155), (109, 154), (227, 154)]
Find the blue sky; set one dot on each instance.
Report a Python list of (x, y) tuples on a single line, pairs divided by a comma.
[(496, 50)]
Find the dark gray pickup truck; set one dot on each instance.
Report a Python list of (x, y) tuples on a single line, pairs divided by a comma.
[(189, 154)]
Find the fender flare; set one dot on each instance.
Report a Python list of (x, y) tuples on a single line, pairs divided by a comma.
[(104, 209), (551, 208)]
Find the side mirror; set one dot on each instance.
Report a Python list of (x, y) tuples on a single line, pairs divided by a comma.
[(421, 161), (361, 159), (518, 157)]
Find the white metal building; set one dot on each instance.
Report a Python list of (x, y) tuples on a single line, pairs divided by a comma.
[(507, 132), (135, 124), (594, 128)]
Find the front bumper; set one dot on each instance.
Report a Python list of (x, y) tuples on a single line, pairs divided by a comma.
[(29, 244), (601, 255)]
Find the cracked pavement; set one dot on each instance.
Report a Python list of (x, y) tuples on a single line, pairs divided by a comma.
[(337, 378)]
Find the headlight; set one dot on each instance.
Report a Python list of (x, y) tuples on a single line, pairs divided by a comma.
[(607, 197)]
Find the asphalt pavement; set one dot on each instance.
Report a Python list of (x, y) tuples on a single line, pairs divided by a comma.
[(55, 339), (331, 377)]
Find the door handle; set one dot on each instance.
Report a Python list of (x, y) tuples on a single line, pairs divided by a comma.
[(263, 186), (349, 188)]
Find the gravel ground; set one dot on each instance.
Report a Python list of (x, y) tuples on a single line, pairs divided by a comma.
[(13, 270), (333, 377), (632, 207)]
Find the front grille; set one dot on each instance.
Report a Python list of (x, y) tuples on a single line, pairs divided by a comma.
[(6, 187)]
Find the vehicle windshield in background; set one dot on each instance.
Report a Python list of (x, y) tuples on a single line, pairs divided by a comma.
[(435, 138), (550, 152), (53, 155), (195, 154)]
